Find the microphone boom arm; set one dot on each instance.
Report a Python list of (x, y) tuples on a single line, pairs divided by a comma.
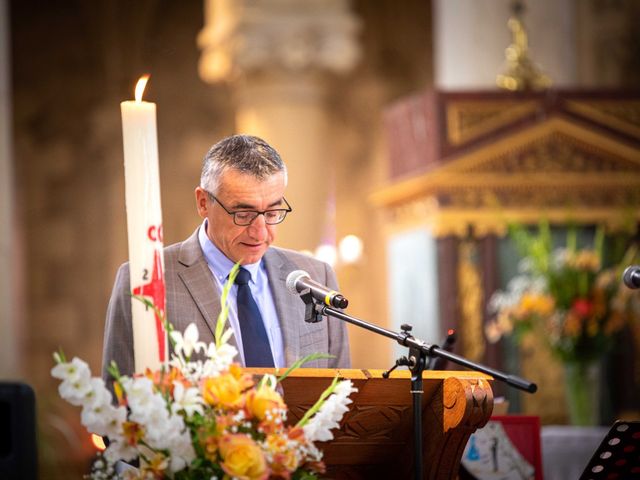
[(408, 340), (419, 351)]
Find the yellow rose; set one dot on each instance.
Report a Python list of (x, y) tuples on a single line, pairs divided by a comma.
[(242, 457), (533, 303), (261, 400), (226, 390)]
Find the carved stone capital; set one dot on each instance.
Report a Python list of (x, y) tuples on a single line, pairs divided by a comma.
[(245, 37)]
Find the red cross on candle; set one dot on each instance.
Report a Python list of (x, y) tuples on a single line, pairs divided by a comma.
[(155, 290)]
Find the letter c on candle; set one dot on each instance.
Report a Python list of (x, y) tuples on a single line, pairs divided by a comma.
[(154, 233)]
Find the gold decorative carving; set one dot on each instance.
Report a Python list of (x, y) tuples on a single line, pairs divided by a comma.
[(547, 141), (623, 115), (521, 72), (470, 298), (483, 162), (540, 367), (559, 169), (467, 120), (556, 153)]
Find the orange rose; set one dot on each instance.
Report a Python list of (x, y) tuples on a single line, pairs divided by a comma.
[(285, 459), (226, 390), (242, 457), (260, 401)]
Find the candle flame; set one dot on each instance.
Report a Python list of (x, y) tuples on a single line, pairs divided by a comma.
[(142, 82)]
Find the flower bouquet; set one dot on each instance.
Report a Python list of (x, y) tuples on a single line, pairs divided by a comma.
[(568, 299), (565, 295), (201, 419)]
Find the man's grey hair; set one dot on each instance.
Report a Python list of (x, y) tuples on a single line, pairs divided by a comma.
[(243, 153)]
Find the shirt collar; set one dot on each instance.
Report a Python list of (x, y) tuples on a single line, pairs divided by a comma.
[(218, 261)]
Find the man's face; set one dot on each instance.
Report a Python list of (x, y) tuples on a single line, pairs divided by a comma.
[(240, 191)]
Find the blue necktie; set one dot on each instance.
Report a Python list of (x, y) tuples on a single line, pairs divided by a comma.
[(255, 342)]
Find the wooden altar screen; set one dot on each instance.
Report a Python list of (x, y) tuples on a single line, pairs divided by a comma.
[(376, 435)]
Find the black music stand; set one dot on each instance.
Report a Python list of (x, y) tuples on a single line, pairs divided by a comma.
[(618, 456)]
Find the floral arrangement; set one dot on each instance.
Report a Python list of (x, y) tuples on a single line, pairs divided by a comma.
[(565, 295), (201, 419)]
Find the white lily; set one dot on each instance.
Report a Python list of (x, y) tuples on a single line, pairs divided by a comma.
[(222, 356), (187, 399), (188, 343), (331, 412), (74, 371)]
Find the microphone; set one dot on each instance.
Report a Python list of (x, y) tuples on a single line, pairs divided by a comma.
[(631, 276), (299, 281)]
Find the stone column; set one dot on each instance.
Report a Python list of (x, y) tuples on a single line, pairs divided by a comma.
[(10, 278), (275, 55), (470, 37)]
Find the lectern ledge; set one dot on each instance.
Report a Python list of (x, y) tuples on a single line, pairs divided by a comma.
[(376, 435)]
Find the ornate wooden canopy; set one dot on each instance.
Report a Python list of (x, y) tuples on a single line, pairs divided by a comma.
[(469, 162)]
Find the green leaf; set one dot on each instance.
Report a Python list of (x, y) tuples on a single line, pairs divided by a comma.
[(149, 304), (316, 406), (303, 475), (114, 371), (302, 361), (598, 243), (224, 310)]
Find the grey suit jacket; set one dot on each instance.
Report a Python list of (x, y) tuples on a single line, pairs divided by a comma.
[(191, 296)]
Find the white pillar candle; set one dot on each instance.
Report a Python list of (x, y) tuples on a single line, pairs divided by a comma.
[(144, 224)]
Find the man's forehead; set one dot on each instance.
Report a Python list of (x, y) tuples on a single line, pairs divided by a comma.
[(233, 177), (244, 188)]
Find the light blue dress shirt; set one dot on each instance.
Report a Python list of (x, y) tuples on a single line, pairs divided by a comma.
[(220, 266)]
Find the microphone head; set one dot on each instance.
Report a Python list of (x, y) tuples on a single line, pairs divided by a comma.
[(292, 280), (631, 276)]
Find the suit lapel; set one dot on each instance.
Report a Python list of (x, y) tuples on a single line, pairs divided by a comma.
[(198, 279), (290, 309)]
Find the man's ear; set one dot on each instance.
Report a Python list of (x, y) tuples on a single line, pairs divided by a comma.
[(202, 202)]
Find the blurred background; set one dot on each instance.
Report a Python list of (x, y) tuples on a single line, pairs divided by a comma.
[(408, 155)]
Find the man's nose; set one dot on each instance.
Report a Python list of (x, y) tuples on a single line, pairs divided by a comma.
[(258, 228)]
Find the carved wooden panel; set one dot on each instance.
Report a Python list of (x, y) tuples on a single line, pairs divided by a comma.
[(376, 435)]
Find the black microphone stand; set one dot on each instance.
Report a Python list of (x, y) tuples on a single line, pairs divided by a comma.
[(416, 361)]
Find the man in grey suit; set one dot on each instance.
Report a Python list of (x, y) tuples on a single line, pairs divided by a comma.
[(241, 199)]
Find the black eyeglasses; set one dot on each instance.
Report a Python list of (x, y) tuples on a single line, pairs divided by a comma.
[(243, 218)]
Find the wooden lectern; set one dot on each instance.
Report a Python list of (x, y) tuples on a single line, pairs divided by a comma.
[(376, 435)]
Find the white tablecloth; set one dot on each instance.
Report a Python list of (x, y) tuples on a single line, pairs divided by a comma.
[(567, 450)]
